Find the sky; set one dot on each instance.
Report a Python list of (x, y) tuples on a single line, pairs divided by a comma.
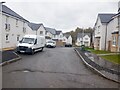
[(65, 15)]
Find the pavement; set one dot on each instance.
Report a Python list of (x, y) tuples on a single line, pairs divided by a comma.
[(53, 68), (8, 56), (105, 68)]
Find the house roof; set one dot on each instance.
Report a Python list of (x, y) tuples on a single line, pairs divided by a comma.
[(58, 32), (51, 30), (8, 11), (67, 35), (34, 26), (80, 35), (105, 18)]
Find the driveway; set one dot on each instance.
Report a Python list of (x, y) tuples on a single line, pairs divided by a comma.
[(52, 68)]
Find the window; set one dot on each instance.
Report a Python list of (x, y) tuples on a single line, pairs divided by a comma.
[(24, 30), (98, 29), (86, 38), (18, 37), (7, 17), (7, 38), (114, 41), (16, 22), (41, 32), (7, 27)]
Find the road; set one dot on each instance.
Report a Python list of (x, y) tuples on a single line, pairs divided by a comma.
[(52, 68)]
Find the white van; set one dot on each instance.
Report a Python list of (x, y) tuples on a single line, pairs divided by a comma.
[(31, 44)]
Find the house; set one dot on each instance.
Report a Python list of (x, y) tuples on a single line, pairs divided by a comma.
[(83, 39), (13, 28), (50, 33), (36, 29), (101, 31), (67, 39), (58, 38)]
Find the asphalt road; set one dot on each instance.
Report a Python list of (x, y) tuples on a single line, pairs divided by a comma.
[(52, 68)]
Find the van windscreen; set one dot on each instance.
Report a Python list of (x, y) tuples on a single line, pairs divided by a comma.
[(28, 40)]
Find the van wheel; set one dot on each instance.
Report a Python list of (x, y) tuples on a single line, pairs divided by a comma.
[(32, 52)]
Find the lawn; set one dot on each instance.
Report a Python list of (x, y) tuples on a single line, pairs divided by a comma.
[(115, 58), (112, 58), (97, 51)]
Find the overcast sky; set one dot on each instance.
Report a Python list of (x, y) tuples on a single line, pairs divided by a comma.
[(63, 15)]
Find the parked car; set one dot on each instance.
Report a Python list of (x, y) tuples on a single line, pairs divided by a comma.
[(51, 43), (31, 44), (68, 45)]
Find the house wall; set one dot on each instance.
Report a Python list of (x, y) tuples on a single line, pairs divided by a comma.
[(114, 48), (41, 29), (30, 31), (0, 27), (15, 30), (69, 40), (86, 38), (99, 32)]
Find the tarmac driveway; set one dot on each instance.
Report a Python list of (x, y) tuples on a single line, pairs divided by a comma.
[(52, 68)]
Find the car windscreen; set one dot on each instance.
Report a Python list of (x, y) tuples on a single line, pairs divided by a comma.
[(28, 40), (50, 42)]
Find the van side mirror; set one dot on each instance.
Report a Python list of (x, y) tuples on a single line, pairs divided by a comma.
[(35, 41), (20, 41)]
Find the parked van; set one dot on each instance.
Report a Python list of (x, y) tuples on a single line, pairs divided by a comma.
[(31, 44)]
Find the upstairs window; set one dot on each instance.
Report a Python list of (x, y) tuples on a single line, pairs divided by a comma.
[(86, 38), (16, 22), (7, 18), (41, 32)]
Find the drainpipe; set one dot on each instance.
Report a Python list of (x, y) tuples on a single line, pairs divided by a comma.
[(105, 37), (118, 33)]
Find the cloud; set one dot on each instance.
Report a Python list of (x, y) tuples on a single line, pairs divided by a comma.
[(63, 14)]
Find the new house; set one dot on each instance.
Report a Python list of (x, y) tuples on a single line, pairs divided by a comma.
[(100, 31), (50, 33), (36, 29), (13, 28), (67, 39), (83, 39)]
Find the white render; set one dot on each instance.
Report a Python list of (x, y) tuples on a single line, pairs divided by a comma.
[(83, 41), (67, 40), (99, 32), (14, 32), (111, 27)]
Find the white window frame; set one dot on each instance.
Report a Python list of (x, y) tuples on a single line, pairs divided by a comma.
[(18, 37), (114, 41), (41, 33), (7, 38), (16, 22)]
